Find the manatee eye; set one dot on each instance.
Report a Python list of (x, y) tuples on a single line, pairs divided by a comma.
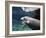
[(25, 19)]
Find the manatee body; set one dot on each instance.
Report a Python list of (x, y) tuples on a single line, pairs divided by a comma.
[(35, 23)]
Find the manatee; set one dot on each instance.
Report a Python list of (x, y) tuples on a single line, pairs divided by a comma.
[(35, 23)]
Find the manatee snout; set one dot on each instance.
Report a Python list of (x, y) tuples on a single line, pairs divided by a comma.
[(25, 19)]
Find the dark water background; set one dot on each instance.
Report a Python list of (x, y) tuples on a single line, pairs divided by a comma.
[(17, 13)]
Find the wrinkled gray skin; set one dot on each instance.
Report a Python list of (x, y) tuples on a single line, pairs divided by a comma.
[(35, 23)]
